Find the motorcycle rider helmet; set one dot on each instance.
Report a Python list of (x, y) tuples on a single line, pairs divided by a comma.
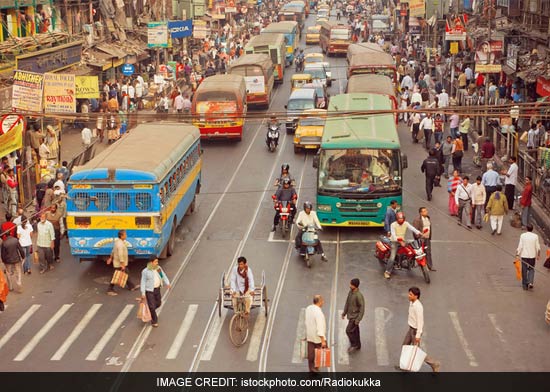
[(285, 166), (286, 181), (400, 217), (307, 205)]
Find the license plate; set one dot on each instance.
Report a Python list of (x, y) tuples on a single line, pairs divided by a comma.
[(312, 146), (358, 223)]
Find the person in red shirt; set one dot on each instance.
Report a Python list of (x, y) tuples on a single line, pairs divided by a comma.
[(525, 202), (8, 228), (487, 152)]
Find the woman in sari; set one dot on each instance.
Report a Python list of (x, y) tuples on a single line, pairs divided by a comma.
[(3, 290), (452, 184)]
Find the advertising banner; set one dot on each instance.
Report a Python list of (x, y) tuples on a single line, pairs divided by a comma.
[(27, 91), (455, 30), (59, 93), (488, 54), (87, 87), (200, 29), (543, 87), (417, 8), (157, 35), (180, 28), (255, 84), (11, 134)]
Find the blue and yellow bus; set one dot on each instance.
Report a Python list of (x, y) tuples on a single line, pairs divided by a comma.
[(360, 164), (291, 33), (145, 184)]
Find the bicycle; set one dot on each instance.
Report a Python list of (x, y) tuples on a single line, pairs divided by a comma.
[(238, 326)]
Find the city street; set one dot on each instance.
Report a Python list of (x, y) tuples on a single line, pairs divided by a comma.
[(477, 316)]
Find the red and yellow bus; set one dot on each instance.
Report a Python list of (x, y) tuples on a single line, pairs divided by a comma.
[(257, 71), (219, 107), (334, 37), (373, 84), (371, 59)]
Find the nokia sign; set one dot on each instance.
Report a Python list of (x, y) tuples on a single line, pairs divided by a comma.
[(180, 28)]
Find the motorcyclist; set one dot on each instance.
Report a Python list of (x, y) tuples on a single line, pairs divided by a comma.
[(300, 60), (398, 230), (285, 193), (273, 122), (285, 173), (306, 218)]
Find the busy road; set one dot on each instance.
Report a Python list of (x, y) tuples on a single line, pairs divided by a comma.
[(477, 317)]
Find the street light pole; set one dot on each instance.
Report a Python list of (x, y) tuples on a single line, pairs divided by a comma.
[(489, 11)]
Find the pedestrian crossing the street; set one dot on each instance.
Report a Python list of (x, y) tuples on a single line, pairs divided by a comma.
[(376, 336)]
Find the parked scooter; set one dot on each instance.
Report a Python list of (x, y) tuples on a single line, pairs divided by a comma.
[(408, 257)]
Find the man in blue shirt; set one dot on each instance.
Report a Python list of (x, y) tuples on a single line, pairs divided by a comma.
[(390, 216), (490, 180)]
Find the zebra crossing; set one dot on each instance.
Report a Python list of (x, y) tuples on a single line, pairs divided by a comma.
[(379, 326)]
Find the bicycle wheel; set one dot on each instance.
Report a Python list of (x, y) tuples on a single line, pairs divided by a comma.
[(238, 329)]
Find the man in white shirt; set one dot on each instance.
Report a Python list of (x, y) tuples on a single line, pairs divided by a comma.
[(443, 99), (463, 198), (178, 103), (407, 82), (86, 137), (306, 218), (416, 97), (132, 93), (529, 251), (427, 125), (186, 105), (316, 328), (398, 230), (510, 182), (479, 196), (242, 284), (416, 325)]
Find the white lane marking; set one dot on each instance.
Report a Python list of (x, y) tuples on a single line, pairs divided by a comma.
[(182, 332), (256, 338), (498, 329), (333, 317), (18, 324), (343, 341), (300, 334), (199, 352), (462, 339), (213, 337), (278, 291), (145, 331), (40, 334), (270, 237), (381, 317), (96, 351), (75, 333)]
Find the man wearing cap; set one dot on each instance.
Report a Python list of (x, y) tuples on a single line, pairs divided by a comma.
[(354, 309)]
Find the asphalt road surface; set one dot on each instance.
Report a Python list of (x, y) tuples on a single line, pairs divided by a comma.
[(477, 316)]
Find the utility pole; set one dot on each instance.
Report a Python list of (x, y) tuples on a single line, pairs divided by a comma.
[(489, 13)]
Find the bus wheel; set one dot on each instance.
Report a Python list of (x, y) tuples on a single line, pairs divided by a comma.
[(191, 207), (171, 245)]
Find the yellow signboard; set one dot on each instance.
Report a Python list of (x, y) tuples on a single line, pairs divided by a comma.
[(454, 47), (488, 68), (59, 93), (417, 8), (87, 87), (12, 140)]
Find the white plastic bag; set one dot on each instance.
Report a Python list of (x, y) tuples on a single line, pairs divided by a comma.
[(412, 358)]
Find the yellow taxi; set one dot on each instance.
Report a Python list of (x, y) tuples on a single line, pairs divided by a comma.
[(312, 35), (318, 58), (309, 130), (298, 80)]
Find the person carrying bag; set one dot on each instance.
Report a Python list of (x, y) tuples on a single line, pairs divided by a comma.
[(152, 279)]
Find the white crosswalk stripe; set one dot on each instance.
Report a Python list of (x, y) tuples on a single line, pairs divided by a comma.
[(381, 317), (182, 332), (18, 325), (40, 334), (462, 339), (343, 341), (300, 334), (256, 338), (96, 351), (75, 333), (213, 337)]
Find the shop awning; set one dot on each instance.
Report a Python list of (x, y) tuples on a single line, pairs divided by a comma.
[(112, 49), (97, 58)]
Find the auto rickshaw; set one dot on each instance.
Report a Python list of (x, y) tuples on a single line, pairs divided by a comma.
[(298, 80)]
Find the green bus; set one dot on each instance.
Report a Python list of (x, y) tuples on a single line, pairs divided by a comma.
[(273, 45), (360, 163)]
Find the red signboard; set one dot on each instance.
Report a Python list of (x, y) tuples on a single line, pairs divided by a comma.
[(543, 87)]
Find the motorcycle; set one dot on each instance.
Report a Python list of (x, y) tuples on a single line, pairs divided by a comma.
[(310, 242), (272, 138), (284, 208), (408, 257)]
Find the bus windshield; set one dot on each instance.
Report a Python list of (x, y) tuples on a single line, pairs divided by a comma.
[(359, 170), (343, 34)]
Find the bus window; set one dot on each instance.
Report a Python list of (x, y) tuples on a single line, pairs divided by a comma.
[(144, 201), (122, 201), (102, 201)]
